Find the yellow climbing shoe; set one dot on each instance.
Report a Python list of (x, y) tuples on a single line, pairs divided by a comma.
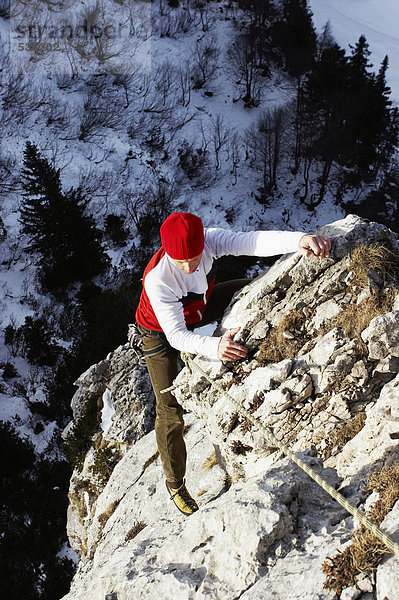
[(182, 499)]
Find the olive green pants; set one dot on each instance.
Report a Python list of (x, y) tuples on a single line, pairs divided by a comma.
[(163, 368)]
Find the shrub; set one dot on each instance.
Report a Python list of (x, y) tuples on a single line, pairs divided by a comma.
[(105, 461), (354, 318), (103, 518), (9, 371), (374, 257), (78, 442), (343, 434), (150, 460), (37, 340), (239, 448), (210, 462), (115, 229), (33, 340), (192, 160)]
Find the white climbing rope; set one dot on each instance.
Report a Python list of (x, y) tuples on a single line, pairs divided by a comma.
[(361, 517)]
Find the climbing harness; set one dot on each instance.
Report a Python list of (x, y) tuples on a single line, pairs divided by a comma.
[(136, 343), (361, 517)]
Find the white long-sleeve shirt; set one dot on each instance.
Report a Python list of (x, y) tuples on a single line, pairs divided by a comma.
[(167, 289)]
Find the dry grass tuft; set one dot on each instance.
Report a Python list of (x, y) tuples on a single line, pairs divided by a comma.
[(210, 462), (386, 483), (135, 530), (366, 550), (285, 340), (343, 434), (373, 257), (150, 460), (354, 318), (103, 518)]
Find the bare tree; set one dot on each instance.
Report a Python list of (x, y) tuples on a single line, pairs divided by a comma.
[(220, 136), (133, 204), (102, 108), (234, 154), (57, 153), (57, 115), (159, 90), (183, 79), (8, 174), (154, 201), (325, 39), (204, 10), (65, 81), (243, 57), (194, 160), (176, 21), (265, 140), (101, 47), (157, 131), (127, 82), (22, 96), (96, 183), (205, 56)]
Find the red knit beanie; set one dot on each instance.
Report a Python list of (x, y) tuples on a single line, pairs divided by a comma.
[(182, 235)]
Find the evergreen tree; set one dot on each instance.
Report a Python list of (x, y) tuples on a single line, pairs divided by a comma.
[(259, 11), (368, 114), (359, 59), (261, 15), (41, 184), (388, 139), (348, 115), (296, 37), (325, 99), (33, 520), (58, 228)]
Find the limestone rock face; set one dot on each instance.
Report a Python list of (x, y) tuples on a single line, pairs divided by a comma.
[(121, 383), (322, 373), (130, 394)]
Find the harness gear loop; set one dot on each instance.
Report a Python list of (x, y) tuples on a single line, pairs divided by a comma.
[(136, 343), (361, 517)]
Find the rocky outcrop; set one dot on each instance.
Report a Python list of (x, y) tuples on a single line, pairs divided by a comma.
[(322, 374), (124, 396)]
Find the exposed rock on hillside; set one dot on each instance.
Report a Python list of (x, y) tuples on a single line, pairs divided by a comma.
[(322, 373)]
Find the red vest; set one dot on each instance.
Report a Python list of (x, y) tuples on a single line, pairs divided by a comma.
[(193, 304)]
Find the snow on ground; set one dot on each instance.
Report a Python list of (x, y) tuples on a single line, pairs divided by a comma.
[(376, 19), (107, 412)]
